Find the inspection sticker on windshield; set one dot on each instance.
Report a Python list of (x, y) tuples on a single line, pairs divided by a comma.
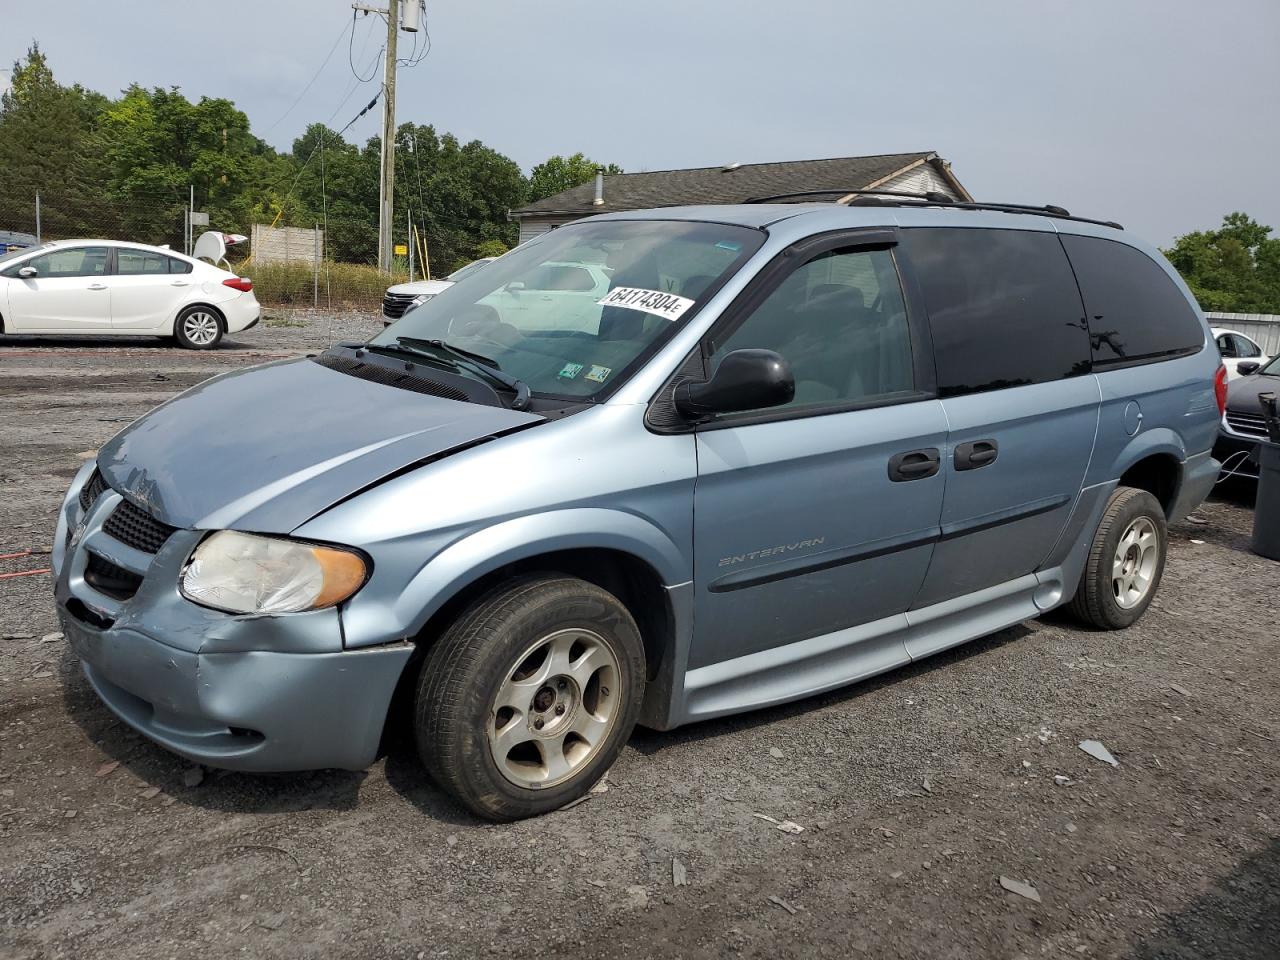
[(599, 374), (570, 370), (650, 301)]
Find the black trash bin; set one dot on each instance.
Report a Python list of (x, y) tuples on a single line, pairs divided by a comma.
[(1266, 512)]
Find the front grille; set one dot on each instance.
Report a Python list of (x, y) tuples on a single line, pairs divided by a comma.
[(137, 529), (394, 305), (92, 490), (403, 379), (109, 579), (1253, 425)]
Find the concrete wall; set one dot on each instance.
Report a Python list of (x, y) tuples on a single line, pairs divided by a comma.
[(276, 244)]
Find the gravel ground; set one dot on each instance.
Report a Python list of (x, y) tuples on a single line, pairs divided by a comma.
[(917, 792)]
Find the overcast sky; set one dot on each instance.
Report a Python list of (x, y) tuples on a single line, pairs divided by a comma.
[(1161, 114)]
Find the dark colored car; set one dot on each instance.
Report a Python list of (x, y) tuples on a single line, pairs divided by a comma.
[(1242, 422)]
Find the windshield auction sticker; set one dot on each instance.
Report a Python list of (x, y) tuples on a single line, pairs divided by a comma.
[(650, 301)]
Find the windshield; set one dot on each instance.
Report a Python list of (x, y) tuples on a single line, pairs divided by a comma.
[(571, 312), (1272, 368)]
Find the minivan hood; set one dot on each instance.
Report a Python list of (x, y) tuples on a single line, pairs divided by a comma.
[(419, 287), (267, 449)]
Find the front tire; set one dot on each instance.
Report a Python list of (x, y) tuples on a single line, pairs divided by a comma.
[(530, 695), (1125, 563), (198, 328)]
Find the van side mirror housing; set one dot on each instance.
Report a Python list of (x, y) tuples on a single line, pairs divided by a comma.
[(1247, 367), (745, 380), (28, 273)]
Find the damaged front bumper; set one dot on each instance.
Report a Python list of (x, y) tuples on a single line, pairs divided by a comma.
[(246, 693)]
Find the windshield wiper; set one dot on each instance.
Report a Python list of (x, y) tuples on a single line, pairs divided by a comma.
[(449, 348), (475, 362)]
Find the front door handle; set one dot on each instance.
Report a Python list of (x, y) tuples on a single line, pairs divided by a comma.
[(975, 454), (914, 464), (97, 286), (178, 283)]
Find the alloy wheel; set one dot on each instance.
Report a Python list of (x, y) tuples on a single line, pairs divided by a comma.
[(200, 327), (1134, 566), (555, 709)]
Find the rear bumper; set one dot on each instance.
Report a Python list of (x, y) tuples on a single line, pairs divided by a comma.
[(255, 710), (241, 313), (1199, 474)]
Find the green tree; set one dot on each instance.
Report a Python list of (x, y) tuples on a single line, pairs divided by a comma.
[(458, 194), (124, 168), (562, 173), (1234, 269), (157, 145), (46, 147)]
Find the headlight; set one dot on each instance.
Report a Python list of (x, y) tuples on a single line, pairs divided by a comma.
[(422, 298), (243, 573)]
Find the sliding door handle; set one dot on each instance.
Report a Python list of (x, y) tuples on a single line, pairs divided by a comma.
[(975, 454), (914, 464)]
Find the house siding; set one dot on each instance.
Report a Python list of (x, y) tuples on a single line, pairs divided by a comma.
[(534, 228), (920, 180)]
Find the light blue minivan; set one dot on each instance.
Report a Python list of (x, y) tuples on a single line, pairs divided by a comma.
[(790, 446)]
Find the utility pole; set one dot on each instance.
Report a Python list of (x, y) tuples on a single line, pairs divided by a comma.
[(386, 191), (387, 176)]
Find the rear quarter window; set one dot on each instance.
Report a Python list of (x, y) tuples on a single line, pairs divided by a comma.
[(1003, 307), (1136, 312)]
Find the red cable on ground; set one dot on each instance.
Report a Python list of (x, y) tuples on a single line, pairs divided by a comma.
[(25, 573), (15, 556)]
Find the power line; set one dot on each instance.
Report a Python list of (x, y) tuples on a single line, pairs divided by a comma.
[(350, 59), (314, 77)]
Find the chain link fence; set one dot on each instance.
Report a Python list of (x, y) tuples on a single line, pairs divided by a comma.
[(300, 280)]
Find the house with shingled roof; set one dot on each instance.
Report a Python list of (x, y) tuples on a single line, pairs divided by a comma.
[(737, 183)]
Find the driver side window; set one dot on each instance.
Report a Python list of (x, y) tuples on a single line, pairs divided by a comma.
[(841, 321), (68, 262)]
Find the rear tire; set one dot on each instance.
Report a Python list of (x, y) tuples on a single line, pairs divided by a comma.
[(1125, 563), (198, 328), (530, 695)]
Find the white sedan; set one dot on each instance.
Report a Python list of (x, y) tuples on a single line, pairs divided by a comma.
[(1234, 347), (109, 288)]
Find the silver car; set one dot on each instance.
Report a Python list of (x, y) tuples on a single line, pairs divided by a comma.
[(793, 446)]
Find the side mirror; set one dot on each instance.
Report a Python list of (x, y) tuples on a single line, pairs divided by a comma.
[(1246, 367), (745, 380), (28, 273), (515, 287)]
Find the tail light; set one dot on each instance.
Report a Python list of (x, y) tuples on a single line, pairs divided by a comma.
[(1220, 388), (243, 284)]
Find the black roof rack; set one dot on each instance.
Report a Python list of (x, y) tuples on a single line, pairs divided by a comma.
[(933, 198)]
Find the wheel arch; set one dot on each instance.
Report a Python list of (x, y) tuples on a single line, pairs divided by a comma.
[(1153, 462), (212, 307), (635, 583), (637, 568)]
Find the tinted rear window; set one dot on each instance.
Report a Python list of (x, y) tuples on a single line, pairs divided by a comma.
[(1003, 306), (1136, 312)]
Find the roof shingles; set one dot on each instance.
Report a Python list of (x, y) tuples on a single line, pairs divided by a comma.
[(709, 185)]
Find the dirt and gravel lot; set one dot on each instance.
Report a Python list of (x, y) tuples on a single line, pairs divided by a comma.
[(917, 792)]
